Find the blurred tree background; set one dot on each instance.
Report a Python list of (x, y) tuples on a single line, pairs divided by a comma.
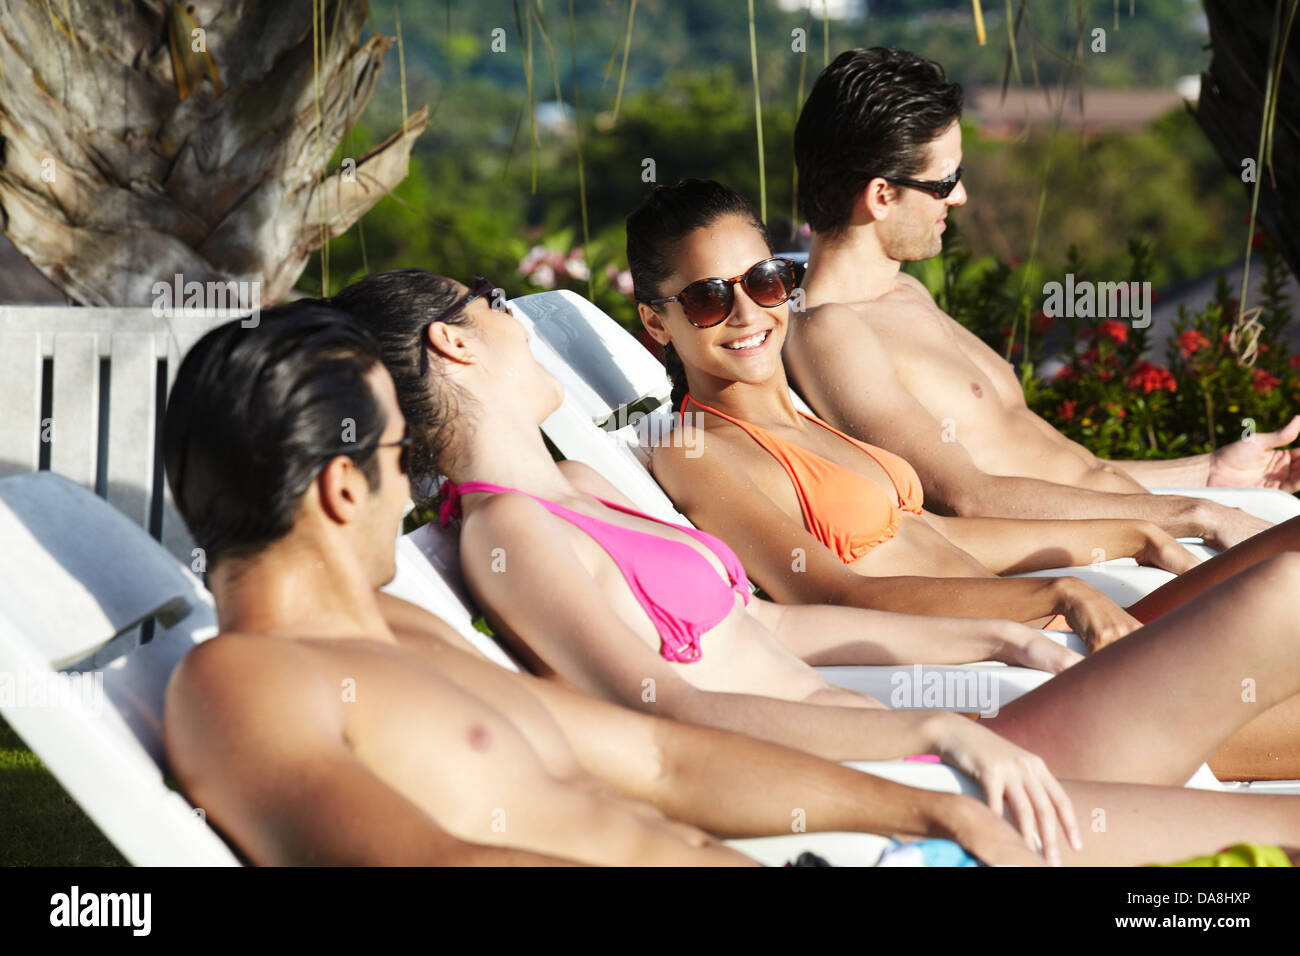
[(687, 102)]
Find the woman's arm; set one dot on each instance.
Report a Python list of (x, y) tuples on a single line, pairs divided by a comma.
[(792, 566), (1013, 546), (824, 635)]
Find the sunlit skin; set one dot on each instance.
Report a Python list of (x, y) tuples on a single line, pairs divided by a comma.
[(312, 731), (874, 355), (387, 719), (924, 568), (561, 604)]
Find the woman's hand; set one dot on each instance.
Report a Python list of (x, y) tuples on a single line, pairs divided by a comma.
[(984, 834), (1094, 617), (1160, 549), (1010, 776), (1026, 647)]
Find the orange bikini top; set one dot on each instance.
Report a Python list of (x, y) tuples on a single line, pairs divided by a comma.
[(845, 510)]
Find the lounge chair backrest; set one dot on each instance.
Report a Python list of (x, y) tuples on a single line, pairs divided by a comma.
[(74, 573), (82, 392), (443, 592), (595, 426)]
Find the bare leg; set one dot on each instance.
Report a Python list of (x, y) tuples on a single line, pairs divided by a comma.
[(1257, 751), (1276, 540), (1128, 824), (1152, 707)]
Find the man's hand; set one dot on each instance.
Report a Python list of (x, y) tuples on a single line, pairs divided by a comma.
[(1260, 461), (1025, 647), (1094, 617), (1162, 550), (1224, 527)]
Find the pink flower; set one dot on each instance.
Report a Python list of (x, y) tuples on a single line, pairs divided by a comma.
[(544, 276), (625, 283), (576, 266)]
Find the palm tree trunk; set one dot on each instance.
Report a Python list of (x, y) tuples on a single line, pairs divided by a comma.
[(140, 139), (1230, 109)]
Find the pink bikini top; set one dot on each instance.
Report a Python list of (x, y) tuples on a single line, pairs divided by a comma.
[(675, 584)]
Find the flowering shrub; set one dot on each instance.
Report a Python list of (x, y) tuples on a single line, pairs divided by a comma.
[(546, 267), (1110, 394)]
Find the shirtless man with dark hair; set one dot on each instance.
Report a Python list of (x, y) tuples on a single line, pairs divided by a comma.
[(878, 148)]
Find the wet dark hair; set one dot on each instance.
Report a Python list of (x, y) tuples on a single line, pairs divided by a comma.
[(397, 307), (665, 217), (871, 113), (254, 415)]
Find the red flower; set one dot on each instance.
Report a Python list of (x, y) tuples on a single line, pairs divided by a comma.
[(1042, 322), (1115, 331), (1066, 411), (1264, 382), (1192, 341), (1293, 361), (1258, 240), (1151, 378), (1116, 410)]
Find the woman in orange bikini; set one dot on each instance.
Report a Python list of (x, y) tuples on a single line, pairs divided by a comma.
[(820, 518)]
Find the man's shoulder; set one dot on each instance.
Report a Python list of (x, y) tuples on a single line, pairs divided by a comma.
[(831, 319), (240, 666)]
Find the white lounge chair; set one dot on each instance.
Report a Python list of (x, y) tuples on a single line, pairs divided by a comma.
[(81, 393), (76, 578)]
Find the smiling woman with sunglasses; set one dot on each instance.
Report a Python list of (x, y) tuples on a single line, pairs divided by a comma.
[(823, 518)]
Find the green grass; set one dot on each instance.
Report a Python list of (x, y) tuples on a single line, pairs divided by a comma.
[(40, 825)]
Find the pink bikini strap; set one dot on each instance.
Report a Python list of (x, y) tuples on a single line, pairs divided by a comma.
[(449, 494)]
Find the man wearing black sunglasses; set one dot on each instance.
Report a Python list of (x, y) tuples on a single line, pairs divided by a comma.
[(878, 149)]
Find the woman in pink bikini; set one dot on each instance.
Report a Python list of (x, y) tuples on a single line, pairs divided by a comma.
[(590, 592)]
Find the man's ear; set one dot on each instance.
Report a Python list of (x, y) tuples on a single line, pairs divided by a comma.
[(653, 323), (450, 341), (341, 488), (876, 199)]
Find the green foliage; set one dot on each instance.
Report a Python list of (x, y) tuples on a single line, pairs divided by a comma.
[(1111, 396)]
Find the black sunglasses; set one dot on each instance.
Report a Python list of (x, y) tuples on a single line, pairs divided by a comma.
[(482, 287), (708, 302), (939, 188), (403, 459)]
